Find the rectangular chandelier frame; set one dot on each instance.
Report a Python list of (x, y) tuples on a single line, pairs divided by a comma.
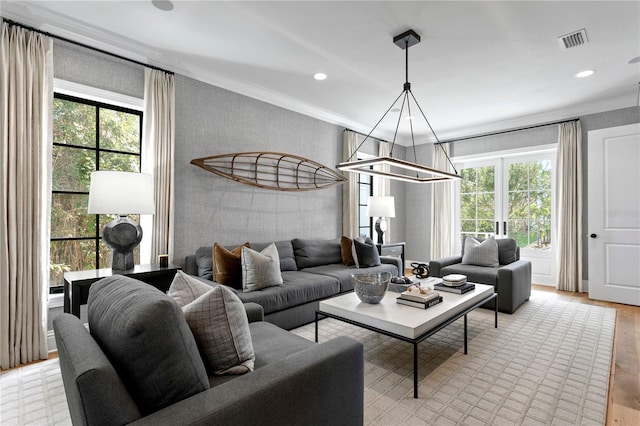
[(364, 167)]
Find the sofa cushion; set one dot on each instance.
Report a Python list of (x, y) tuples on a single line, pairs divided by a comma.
[(507, 250), (343, 273), (474, 273), (298, 288), (316, 252), (219, 324), (367, 253), (260, 269), (204, 262), (227, 265), (478, 253), (347, 251), (285, 253), (145, 335)]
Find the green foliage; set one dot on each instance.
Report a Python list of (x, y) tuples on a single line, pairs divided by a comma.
[(529, 202), (75, 156)]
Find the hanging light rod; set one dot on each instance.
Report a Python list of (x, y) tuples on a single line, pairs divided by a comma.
[(423, 174)]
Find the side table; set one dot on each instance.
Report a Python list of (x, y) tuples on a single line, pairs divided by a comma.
[(392, 249), (77, 283)]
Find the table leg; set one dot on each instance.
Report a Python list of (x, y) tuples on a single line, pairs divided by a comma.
[(465, 334), (316, 327), (496, 312), (415, 370)]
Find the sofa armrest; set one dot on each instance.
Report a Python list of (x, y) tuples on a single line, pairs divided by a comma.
[(514, 284), (393, 260), (321, 385), (255, 312), (435, 266)]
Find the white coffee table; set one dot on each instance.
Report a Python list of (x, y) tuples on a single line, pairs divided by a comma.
[(403, 322)]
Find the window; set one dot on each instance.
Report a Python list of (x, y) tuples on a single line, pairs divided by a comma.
[(477, 202), (365, 190), (87, 135)]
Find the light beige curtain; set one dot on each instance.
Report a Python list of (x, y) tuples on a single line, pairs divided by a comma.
[(441, 207), (26, 78), (158, 145), (350, 211), (569, 206)]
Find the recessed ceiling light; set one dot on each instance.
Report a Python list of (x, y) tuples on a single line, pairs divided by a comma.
[(409, 117), (396, 110), (634, 60), (165, 5), (585, 73), (320, 76)]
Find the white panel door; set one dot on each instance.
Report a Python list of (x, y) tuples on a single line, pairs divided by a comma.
[(614, 214)]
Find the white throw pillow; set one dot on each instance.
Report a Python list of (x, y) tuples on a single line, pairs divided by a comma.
[(218, 322), (480, 253), (185, 288), (220, 326), (260, 269)]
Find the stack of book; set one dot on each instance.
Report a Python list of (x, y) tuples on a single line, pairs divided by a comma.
[(419, 299), (455, 283)]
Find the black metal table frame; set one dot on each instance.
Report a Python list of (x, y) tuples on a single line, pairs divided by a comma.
[(420, 338)]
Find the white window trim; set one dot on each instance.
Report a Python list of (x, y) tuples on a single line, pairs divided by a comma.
[(97, 95)]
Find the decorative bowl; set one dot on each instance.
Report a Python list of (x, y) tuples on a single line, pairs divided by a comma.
[(371, 287)]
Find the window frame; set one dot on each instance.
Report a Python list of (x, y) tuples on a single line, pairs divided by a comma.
[(100, 100)]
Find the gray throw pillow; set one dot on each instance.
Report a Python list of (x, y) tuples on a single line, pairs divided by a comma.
[(185, 289), (260, 269), (480, 253), (507, 250), (366, 252), (144, 334)]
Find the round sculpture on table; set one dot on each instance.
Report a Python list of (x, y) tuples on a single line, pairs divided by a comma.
[(371, 287)]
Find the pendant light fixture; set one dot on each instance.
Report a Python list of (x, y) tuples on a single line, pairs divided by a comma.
[(405, 170)]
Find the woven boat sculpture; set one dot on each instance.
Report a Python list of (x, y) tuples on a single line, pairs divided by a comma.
[(271, 170)]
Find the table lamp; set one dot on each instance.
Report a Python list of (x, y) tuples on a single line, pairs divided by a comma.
[(121, 193), (381, 207)]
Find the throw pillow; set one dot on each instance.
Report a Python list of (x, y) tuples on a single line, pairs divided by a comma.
[(185, 289), (144, 334), (260, 269), (367, 253), (346, 250), (220, 326), (480, 253), (227, 268), (507, 250)]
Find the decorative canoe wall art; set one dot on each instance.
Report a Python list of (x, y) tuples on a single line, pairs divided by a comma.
[(271, 170)]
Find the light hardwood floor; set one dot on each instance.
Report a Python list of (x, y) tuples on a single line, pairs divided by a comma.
[(623, 408)]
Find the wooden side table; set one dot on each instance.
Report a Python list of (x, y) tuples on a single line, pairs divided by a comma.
[(77, 283), (392, 249)]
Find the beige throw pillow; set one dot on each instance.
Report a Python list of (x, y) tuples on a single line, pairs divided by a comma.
[(218, 322), (480, 253), (260, 270)]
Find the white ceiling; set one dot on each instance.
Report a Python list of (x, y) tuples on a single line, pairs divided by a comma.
[(481, 65)]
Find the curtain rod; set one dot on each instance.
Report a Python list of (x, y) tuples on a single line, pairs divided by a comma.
[(364, 134), (518, 129), (26, 27)]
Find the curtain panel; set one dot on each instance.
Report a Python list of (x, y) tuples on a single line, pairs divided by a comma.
[(441, 207), (350, 209), (26, 79), (158, 146), (569, 207)]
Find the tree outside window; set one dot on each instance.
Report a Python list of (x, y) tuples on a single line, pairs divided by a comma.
[(87, 136)]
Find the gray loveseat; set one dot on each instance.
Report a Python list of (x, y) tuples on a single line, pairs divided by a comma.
[(312, 270), (511, 279), (140, 365)]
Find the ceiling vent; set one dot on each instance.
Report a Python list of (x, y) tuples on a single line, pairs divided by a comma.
[(574, 39)]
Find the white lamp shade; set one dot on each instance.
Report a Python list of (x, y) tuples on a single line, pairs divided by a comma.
[(121, 193), (381, 207)]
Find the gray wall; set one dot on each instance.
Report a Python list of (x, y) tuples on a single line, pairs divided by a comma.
[(418, 210), (522, 139), (209, 208)]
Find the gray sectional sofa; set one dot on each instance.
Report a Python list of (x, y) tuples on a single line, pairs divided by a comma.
[(140, 365), (312, 270)]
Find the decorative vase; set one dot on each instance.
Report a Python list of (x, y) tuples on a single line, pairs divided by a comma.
[(371, 287)]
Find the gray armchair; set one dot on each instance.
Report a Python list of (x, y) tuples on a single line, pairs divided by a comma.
[(511, 279), (295, 381)]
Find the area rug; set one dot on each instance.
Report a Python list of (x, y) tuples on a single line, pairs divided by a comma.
[(548, 363)]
